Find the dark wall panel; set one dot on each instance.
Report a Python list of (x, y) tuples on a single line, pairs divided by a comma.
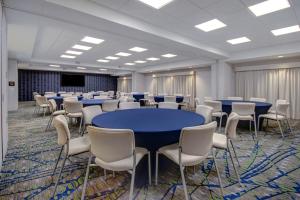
[(43, 81)]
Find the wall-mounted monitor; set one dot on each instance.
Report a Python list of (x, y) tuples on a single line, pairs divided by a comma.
[(72, 80)]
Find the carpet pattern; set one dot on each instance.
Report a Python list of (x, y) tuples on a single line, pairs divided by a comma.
[(270, 168)]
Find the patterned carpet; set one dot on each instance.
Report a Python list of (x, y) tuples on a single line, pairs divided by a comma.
[(270, 168)]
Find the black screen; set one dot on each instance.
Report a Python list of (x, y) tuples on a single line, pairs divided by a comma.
[(72, 80)]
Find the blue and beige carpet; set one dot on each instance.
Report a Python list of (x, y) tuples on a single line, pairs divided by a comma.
[(270, 168)]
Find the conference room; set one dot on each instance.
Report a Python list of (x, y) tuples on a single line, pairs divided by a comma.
[(150, 99)]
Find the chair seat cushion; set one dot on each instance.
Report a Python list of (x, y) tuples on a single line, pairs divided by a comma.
[(124, 164), (218, 114), (58, 112), (272, 116), (245, 117), (220, 141), (79, 114), (79, 145), (171, 152)]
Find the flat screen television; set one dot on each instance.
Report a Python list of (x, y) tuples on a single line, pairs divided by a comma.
[(69, 80)]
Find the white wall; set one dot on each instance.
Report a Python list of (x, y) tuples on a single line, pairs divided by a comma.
[(12, 90), (203, 83), (138, 82)]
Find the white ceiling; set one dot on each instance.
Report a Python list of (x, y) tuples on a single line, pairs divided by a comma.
[(39, 31)]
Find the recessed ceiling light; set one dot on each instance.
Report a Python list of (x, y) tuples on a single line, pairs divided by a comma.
[(92, 40), (280, 56), (286, 30), (54, 65), (112, 58), (103, 69), (81, 68), (211, 25), (73, 52), (238, 40), (169, 55), (268, 6), (139, 61), (129, 64), (67, 56), (152, 59), (138, 49), (123, 54), (103, 61), (81, 47), (156, 3)]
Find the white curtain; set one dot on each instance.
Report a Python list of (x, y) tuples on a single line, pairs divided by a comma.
[(124, 85), (271, 84)]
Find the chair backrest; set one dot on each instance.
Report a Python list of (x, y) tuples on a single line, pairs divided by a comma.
[(74, 99), (101, 97), (282, 109), (231, 124), (169, 98), (197, 101), (258, 99), (66, 95), (110, 105), (129, 105), (87, 95), (205, 111), (187, 98), (90, 112), (61, 125), (235, 98), (208, 98), (123, 99), (111, 145), (168, 105), (162, 94), (178, 94), (49, 92), (197, 140), (73, 106), (50, 95), (52, 105), (146, 95), (41, 100), (242, 108), (280, 101), (216, 105)]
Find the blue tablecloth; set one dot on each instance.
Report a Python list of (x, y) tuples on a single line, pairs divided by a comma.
[(93, 102), (59, 100), (158, 99), (260, 107), (138, 97), (153, 128)]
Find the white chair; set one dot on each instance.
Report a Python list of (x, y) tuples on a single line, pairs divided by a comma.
[(280, 115), (255, 99), (123, 99), (70, 146), (111, 93), (206, 112), (223, 141), (246, 111), (110, 105), (194, 146), (278, 101), (129, 105), (170, 99), (101, 97), (66, 95), (162, 94), (42, 102), (217, 110), (74, 110), (197, 101), (89, 113), (235, 98), (151, 101), (208, 98), (186, 101), (115, 150), (49, 93), (168, 105), (74, 99), (87, 95), (54, 112)]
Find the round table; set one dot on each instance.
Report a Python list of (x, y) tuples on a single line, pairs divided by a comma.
[(153, 128), (59, 100), (260, 108), (179, 99)]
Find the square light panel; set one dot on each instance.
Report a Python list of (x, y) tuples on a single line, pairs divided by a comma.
[(286, 30), (67, 56), (103, 69), (157, 4), (123, 54), (138, 49), (269, 6), (239, 40), (129, 64), (152, 59), (211, 25), (112, 58), (103, 61), (81, 68), (73, 52), (169, 55), (54, 66), (140, 61), (81, 47), (92, 40)]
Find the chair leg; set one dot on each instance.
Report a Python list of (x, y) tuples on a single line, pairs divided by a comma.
[(280, 128), (149, 168), (258, 123), (234, 167), (132, 184), (220, 125), (156, 167), (44, 111), (218, 173), (235, 153), (49, 123), (289, 124), (56, 184), (250, 126), (86, 177), (183, 182), (81, 120), (57, 160), (254, 121)]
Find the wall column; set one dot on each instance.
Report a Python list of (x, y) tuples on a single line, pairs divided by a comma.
[(12, 90), (138, 82)]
